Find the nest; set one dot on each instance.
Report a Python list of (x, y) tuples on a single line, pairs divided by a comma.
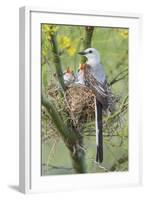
[(80, 103), (77, 106)]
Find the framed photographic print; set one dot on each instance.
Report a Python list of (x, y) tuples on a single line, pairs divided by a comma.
[(79, 90)]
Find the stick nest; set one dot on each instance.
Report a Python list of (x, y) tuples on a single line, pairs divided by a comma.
[(80, 104), (77, 105)]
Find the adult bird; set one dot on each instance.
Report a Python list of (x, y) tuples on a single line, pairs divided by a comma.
[(95, 79)]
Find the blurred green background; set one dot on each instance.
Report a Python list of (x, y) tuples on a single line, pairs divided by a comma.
[(112, 43)]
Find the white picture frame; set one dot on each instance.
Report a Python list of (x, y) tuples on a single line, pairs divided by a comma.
[(30, 176)]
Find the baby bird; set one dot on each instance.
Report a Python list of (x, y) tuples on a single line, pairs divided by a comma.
[(68, 76), (80, 75)]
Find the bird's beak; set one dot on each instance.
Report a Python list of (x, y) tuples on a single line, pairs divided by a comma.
[(82, 53)]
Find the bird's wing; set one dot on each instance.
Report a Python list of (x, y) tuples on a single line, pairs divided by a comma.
[(98, 88)]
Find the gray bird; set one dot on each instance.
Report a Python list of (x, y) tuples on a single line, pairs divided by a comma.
[(95, 79)]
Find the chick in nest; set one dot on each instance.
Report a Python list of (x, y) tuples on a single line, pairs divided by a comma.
[(68, 76), (80, 75)]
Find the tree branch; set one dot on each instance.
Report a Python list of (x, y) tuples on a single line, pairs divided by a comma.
[(87, 40), (72, 140), (56, 59), (119, 76)]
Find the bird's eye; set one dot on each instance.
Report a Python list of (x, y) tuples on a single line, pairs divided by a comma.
[(90, 51)]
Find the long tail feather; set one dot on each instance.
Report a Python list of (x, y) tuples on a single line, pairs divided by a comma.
[(99, 136)]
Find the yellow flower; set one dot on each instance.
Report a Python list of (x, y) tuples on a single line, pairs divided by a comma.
[(67, 44), (124, 33), (64, 41), (50, 29), (71, 51), (46, 28)]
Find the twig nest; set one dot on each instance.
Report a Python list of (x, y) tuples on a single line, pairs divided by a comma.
[(80, 102)]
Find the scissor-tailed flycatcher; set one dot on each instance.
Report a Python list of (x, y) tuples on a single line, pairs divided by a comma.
[(95, 79)]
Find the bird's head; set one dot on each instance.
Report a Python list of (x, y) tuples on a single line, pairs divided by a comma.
[(91, 53), (69, 71), (81, 67)]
